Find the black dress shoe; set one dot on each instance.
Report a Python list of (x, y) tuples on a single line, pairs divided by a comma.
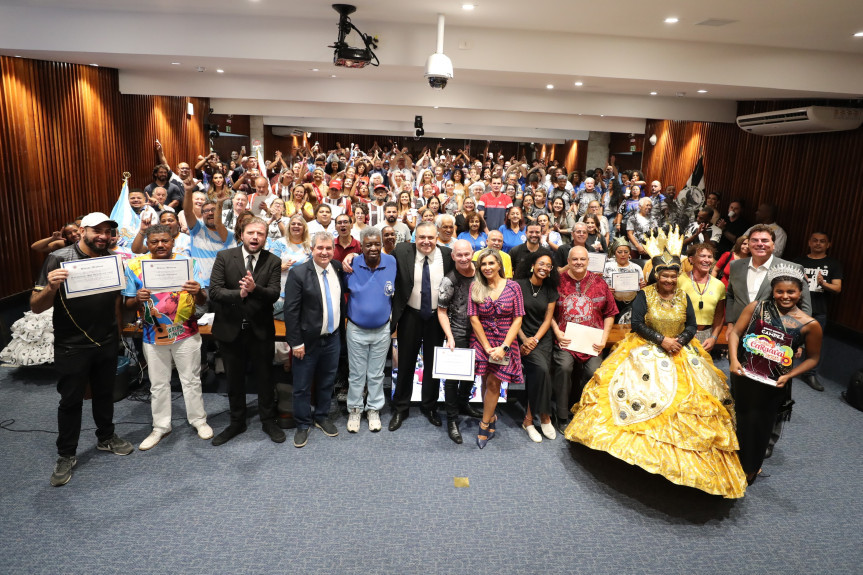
[(470, 411), (453, 432), (813, 382), (768, 453), (228, 434), (396, 421), (276, 434), (432, 416)]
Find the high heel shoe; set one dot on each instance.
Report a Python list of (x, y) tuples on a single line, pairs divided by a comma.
[(482, 435), (491, 429)]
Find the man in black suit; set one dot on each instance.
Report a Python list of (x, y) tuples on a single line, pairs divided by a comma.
[(245, 283), (420, 267), (314, 308)]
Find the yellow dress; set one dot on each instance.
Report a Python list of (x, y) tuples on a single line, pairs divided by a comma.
[(668, 414)]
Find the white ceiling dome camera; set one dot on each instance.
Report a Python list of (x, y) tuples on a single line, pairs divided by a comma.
[(439, 66)]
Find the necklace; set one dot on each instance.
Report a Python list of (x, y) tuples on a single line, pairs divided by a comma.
[(539, 289), (699, 289)]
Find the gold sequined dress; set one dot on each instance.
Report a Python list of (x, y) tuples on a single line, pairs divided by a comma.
[(668, 414)]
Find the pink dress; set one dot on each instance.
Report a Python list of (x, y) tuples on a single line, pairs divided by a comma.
[(496, 317)]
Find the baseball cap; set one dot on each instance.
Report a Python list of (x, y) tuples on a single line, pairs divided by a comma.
[(336, 184), (381, 187), (93, 219)]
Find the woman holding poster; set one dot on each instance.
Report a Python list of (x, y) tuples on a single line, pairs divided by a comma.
[(760, 349), (658, 401)]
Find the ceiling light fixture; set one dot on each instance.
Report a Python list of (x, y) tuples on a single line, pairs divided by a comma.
[(702, 91), (95, 65), (858, 35), (653, 93), (672, 20), (314, 69), (602, 115), (220, 71), (549, 86), (175, 63), (579, 83), (468, 7), (436, 107), (332, 75)]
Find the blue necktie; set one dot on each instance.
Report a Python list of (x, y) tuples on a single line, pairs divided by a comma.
[(330, 320), (425, 291)]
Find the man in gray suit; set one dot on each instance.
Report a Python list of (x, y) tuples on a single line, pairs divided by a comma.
[(747, 282)]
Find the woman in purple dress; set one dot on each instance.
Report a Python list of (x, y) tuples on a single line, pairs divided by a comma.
[(495, 309)]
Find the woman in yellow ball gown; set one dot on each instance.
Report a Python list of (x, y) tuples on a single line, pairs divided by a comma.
[(658, 401)]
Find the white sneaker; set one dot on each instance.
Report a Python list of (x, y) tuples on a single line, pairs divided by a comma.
[(152, 440), (532, 433), (548, 430), (218, 366), (205, 431), (374, 420), (354, 420)]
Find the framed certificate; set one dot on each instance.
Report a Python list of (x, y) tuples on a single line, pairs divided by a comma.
[(94, 275), (455, 364), (161, 276), (596, 262), (624, 281)]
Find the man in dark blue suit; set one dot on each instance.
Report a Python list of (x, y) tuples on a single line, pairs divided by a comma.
[(314, 312), (244, 285)]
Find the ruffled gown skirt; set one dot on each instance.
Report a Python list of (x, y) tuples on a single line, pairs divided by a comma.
[(668, 414)]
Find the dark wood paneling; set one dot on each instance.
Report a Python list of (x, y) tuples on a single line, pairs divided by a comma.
[(67, 135), (814, 179)]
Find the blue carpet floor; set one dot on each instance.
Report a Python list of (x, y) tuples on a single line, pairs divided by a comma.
[(386, 502)]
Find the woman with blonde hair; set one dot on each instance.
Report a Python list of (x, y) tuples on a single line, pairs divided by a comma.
[(496, 309)]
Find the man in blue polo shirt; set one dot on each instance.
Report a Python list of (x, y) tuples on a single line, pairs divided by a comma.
[(371, 285)]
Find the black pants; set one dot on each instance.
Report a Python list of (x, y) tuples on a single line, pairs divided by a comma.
[(236, 355), (537, 377), (414, 331), (756, 405), (77, 367), (456, 393)]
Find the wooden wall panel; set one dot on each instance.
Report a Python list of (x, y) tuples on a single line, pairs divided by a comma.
[(814, 179), (66, 137)]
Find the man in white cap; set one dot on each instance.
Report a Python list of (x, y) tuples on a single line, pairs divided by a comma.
[(86, 340)]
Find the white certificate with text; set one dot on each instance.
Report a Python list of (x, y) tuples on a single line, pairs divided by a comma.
[(581, 338), (456, 364), (596, 262), (161, 276), (94, 275), (624, 281)]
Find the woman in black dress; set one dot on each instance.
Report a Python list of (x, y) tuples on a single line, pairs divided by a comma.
[(764, 338), (538, 278)]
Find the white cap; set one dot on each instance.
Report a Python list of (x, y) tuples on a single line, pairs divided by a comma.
[(95, 218)]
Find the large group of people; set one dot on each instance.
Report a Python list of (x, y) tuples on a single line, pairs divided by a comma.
[(367, 254)]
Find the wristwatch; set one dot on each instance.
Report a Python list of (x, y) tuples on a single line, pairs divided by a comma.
[(505, 348)]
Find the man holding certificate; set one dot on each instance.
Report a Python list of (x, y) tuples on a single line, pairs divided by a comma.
[(83, 282), (586, 307), (161, 287)]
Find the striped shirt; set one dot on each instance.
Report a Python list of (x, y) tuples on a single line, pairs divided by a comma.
[(206, 243)]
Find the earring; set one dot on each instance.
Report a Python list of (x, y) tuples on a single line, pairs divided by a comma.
[(531, 269)]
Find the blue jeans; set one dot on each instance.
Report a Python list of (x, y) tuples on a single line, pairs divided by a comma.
[(367, 356), (320, 363)]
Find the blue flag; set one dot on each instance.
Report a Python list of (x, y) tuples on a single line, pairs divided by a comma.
[(128, 222)]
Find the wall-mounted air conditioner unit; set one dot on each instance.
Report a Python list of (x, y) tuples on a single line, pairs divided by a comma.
[(802, 121)]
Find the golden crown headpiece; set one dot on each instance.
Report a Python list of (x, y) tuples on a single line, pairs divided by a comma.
[(659, 242)]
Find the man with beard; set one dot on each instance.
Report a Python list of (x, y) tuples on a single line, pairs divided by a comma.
[(246, 281), (521, 251), (170, 336), (208, 236), (162, 179), (453, 318), (391, 219), (86, 341)]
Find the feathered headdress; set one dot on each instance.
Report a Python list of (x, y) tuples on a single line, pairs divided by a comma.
[(664, 249)]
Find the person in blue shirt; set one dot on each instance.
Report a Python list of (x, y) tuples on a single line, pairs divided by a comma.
[(474, 235), (371, 286), (513, 229)]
